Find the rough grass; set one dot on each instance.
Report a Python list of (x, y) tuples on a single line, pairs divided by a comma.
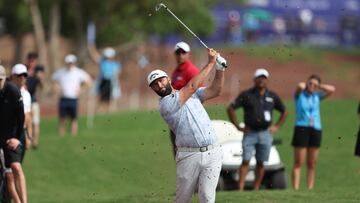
[(126, 157)]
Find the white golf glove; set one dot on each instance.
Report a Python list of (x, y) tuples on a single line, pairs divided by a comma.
[(220, 63)]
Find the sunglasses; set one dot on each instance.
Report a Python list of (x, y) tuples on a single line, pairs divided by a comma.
[(180, 51), (313, 83), (22, 75)]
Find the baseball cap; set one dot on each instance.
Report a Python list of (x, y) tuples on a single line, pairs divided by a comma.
[(70, 59), (109, 52), (182, 45), (2, 72), (155, 74), (19, 69), (261, 72)]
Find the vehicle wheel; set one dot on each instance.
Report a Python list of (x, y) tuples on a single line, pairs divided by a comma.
[(221, 184), (278, 180)]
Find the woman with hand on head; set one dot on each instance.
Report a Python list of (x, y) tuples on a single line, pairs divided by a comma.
[(307, 133)]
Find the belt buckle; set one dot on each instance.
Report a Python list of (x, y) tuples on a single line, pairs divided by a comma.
[(203, 149)]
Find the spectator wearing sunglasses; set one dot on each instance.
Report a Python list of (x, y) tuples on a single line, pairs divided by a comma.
[(307, 133), (185, 70)]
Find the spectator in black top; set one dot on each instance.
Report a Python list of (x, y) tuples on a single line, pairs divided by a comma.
[(357, 147), (11, 129), (31, 62), (33, 83), (258, 103)]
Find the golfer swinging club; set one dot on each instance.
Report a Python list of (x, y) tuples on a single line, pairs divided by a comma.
[(198, 159)]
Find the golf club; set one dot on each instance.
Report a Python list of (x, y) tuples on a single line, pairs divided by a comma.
[(219, 59)]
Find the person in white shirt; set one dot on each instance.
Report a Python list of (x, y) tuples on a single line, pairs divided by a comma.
[(68, 83), (16, 179)]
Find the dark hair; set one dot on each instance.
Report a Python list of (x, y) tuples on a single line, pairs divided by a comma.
[(316, 77), (32, 55)]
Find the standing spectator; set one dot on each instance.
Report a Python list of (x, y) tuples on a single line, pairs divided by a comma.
[(357, 146), (31, 62), (183, 73), (68, 82), (107, 84), (307, 133), (185, 69), (11, 130), (198, 159), (18, 77), (33, 83), (258, 103)]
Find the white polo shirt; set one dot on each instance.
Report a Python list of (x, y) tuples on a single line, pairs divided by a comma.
[(26, 99), (70, 80)]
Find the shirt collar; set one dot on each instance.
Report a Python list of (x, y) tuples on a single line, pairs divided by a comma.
[(256, 91), (308, 94), (184, 65)]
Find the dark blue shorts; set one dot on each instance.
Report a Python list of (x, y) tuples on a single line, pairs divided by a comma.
[(68, 108)]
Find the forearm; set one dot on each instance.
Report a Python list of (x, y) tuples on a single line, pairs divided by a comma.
[(218, 82), (20, 119), (300, 87), (327, 88), (232, 116), (93, 52), (214, 89), (282, 119), (55, 87), (199, 79), (28, 124)]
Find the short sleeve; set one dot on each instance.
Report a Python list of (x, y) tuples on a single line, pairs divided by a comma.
[(200, 93), (170, 104), (239, 101), (27, 102), (278, 104), (320, 95), (83, 76)]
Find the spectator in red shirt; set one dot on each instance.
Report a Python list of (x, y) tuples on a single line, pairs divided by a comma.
[(184, 71)]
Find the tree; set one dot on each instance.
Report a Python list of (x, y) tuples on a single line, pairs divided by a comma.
[(17, 22), (38, 30), (118, 22)]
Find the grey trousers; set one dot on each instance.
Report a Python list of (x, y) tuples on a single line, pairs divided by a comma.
[(199, 170)]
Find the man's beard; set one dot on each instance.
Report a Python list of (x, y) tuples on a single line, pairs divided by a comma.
[(167, 91)]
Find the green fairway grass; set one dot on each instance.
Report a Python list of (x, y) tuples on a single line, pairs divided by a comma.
[(127, 157)]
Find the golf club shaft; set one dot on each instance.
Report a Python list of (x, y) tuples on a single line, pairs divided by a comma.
[(186, 27), (219, 59)]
